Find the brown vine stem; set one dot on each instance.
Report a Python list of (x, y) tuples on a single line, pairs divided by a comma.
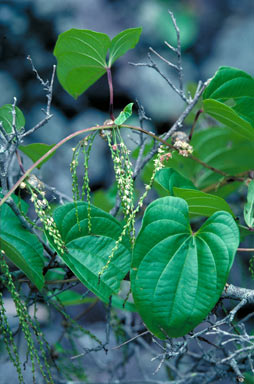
[(51, 282), (239, 177), (245, 249), (195, 122), (111, 94), (90, 129), (208, 166)]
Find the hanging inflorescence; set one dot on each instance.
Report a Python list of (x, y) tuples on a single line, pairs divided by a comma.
[(85, 146), (123, 174), (161, 156), (43, 210), (9, 342), (29, 328)]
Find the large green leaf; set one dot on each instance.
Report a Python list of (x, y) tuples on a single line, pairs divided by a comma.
[(6, 118), (249, 206), (201, 203), (168, 178), (227, 116), (233, 90), (122, 43), (81, 59), (229, 82), (87, 254), (21, 247), (36, 150), (177, 276), (81, 56)]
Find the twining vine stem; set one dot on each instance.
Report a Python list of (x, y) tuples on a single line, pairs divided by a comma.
[(90, 129), (111, 94)]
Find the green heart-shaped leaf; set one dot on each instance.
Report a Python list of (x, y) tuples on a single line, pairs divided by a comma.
[(177, 276), (81, 59), (88, 253), (81, 56), (168, 178)]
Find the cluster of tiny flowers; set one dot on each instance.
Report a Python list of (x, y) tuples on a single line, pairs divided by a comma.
[(184, 148), (123, 174), (163, 155), (42, 208)]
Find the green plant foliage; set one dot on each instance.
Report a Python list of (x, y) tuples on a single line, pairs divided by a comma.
[(81, 56), (168, 178), (229, 97), (22, 247), (36, 151), (120, 303), (124, 115), (55, 274), (177, 276), (122, 43), (249, 206), (105, 199), (227, 116), (249, 378), (201, 203), (6, 118), (219, 148), (87, 254)]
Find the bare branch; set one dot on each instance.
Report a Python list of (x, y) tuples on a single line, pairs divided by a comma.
[(3, 132), (48, 87), (163, 59), (178, 51), (14, 128), (43, 83), (37, 126)]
